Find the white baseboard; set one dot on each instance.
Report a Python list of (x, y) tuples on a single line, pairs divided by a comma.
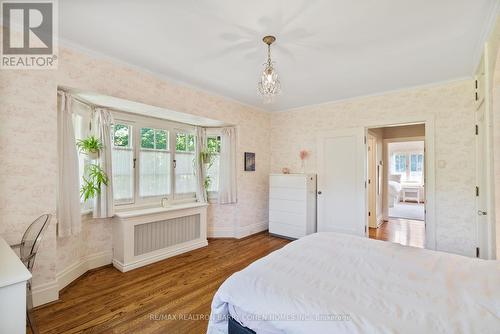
[(45, 293), (150, 259), (79, 268), (49, 292), (221, 232), (245, 231)]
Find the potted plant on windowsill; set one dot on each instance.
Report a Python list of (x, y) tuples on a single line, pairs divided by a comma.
[(94, 178), (90, 146)]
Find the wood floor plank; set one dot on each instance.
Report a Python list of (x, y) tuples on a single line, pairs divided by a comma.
[(179, 289), (406, 232)]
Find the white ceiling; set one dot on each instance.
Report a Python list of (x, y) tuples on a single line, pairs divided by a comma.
[(326, 50)]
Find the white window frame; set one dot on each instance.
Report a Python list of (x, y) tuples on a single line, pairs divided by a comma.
[(407, 172), (136, 123)]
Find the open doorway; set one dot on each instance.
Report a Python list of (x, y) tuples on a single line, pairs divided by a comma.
[(396, 184)]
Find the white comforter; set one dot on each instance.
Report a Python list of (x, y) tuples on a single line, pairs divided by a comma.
[(358, 285)]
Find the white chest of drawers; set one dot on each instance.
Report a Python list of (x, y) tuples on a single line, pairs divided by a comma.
[(292, 204)]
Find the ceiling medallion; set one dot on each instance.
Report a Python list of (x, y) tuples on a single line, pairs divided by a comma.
[(269, 84)]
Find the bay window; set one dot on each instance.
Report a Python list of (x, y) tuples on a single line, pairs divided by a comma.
[(152, 160)]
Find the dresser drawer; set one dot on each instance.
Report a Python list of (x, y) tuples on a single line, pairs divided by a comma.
[(287, 206), (288, 181), (294, 219), (288, 194)]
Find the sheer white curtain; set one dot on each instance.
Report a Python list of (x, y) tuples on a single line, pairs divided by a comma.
[(68, 193), (201, 144), (227, 169), (101, 128)]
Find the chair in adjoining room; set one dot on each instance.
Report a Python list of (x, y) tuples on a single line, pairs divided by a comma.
[(28, 248)]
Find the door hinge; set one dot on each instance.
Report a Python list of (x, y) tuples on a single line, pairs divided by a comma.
[(369, 214), (476, 84), (477, 191), (477, 251), (477, 129), (477, 97), (134, 162), (175, 163)]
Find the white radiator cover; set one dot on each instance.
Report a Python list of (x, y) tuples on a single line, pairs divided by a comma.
[(141, 237), (165, 233)]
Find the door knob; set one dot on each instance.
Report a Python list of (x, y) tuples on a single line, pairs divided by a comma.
[(481, 213), (319, 192)]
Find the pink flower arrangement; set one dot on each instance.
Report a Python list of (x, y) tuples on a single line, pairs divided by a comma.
[(303, 154)]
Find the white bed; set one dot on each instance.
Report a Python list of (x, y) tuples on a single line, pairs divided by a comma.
[(371, 286)]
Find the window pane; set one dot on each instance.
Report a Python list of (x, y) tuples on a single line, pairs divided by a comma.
[(123, 175), (213, 173), (147, 138), (185, 177), (121, 135), (190, 143), (413, 163), (161, 139), (213, 144), (180, 144), (154, 173)]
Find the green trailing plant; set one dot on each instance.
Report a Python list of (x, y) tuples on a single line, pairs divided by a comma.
[(206, 184), (94, 178), (89, 145), (206, 157)]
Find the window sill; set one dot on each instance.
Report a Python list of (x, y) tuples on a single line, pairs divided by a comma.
[(152, 210)]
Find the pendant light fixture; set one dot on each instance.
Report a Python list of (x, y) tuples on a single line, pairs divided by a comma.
[(269, 84)]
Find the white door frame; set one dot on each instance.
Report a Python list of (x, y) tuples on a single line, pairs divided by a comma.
[(430, 179), (372, 163)]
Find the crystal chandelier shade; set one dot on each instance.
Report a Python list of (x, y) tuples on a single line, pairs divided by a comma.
[(269, 84)]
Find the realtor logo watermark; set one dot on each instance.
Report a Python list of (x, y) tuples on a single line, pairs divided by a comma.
[(29, 35)]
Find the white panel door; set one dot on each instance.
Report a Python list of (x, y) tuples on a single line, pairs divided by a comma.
[(341, 181)]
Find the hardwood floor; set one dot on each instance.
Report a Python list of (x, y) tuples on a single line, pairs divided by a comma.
[(403, 231), (171, 296)]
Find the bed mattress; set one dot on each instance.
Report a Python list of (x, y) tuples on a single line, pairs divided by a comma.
[(337, 283)]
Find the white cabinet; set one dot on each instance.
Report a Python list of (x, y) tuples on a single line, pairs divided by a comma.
[(13, 278), (292, 204)]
